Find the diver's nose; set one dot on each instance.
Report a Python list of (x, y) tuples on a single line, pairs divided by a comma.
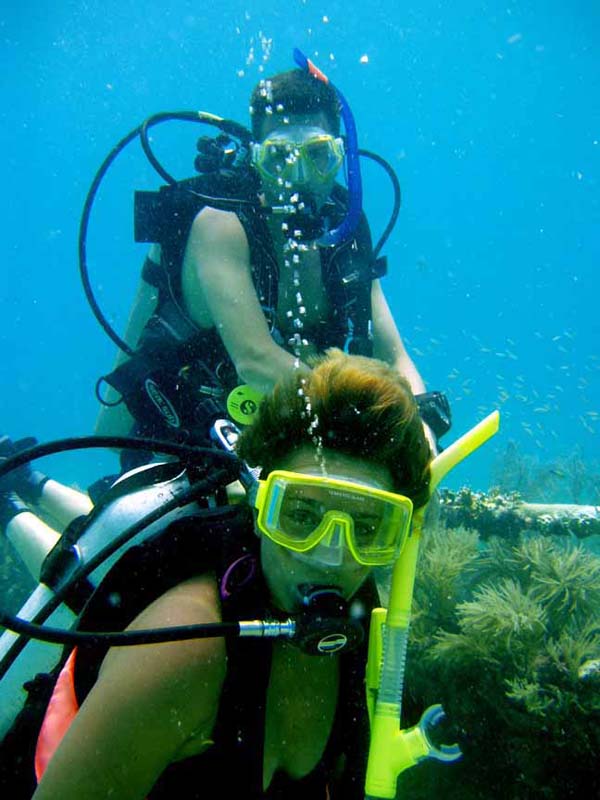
[(331, 549), (297, 173), (334, 536), (300, 171)]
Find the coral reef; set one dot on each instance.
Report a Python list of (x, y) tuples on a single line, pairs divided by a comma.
[(507, 636), (499, 514)]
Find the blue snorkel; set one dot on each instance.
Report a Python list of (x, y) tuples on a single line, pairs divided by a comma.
[(347, 227)]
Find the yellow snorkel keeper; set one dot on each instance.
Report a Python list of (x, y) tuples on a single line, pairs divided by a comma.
[(393, 750)]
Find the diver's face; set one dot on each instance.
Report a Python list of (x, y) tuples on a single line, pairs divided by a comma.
[(286, 571), (304, 157)]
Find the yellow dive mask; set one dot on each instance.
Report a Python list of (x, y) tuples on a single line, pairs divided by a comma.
[(300, 511), (298, 154)]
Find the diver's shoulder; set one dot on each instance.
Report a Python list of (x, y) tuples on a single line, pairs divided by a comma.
[(216, 221)]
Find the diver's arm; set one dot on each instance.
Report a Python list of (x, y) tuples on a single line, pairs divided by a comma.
[(116, 420), (388, 344), (218, 290), (150, 706)]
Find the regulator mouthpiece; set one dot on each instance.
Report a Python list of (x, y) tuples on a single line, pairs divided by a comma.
[(324, 626)]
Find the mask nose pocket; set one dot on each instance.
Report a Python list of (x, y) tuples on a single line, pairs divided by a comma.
[(330, 548)]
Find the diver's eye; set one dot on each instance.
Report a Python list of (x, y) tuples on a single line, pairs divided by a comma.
[(320, 156), (365, 530), (300, 520), (276, 158)]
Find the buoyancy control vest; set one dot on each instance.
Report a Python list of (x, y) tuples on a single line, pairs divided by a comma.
[(179, 378), (221, 540)]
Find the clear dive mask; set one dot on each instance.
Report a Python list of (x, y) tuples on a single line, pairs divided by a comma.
[(301, 512), (298, 155)]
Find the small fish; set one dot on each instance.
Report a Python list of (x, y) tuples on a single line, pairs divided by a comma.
[(558, 473)]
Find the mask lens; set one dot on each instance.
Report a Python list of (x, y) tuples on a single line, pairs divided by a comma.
[(299, 157), (322, 156), (300, 513), (304, 511), (275, 158)]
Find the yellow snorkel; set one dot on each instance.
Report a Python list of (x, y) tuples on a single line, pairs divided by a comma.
[(392, 750)]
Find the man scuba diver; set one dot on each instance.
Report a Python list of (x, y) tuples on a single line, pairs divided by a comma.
[(254, 270)]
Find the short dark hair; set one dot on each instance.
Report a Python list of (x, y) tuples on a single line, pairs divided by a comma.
[(294, 92), (364, 408)]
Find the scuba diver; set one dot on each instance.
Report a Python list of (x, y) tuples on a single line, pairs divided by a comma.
[(149, 699), (256, 265), (202, 717)]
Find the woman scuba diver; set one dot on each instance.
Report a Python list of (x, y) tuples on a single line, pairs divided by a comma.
[(344, 462)]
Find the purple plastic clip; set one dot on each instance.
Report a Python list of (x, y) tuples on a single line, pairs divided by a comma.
[(249, 563)]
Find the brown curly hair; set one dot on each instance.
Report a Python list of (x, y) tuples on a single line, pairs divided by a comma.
[(363, 408)]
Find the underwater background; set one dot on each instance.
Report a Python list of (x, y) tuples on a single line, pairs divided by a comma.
[(489, 113)]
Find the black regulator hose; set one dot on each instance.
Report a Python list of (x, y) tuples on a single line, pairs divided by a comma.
[(188, 454), (227, 126), (82, 241), (228, 472), (397, 198), (120, 638), (323, 627)]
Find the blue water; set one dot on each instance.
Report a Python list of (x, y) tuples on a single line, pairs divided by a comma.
[(487, 111)]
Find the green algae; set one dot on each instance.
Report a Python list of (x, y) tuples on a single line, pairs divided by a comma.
[(506, 635)]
